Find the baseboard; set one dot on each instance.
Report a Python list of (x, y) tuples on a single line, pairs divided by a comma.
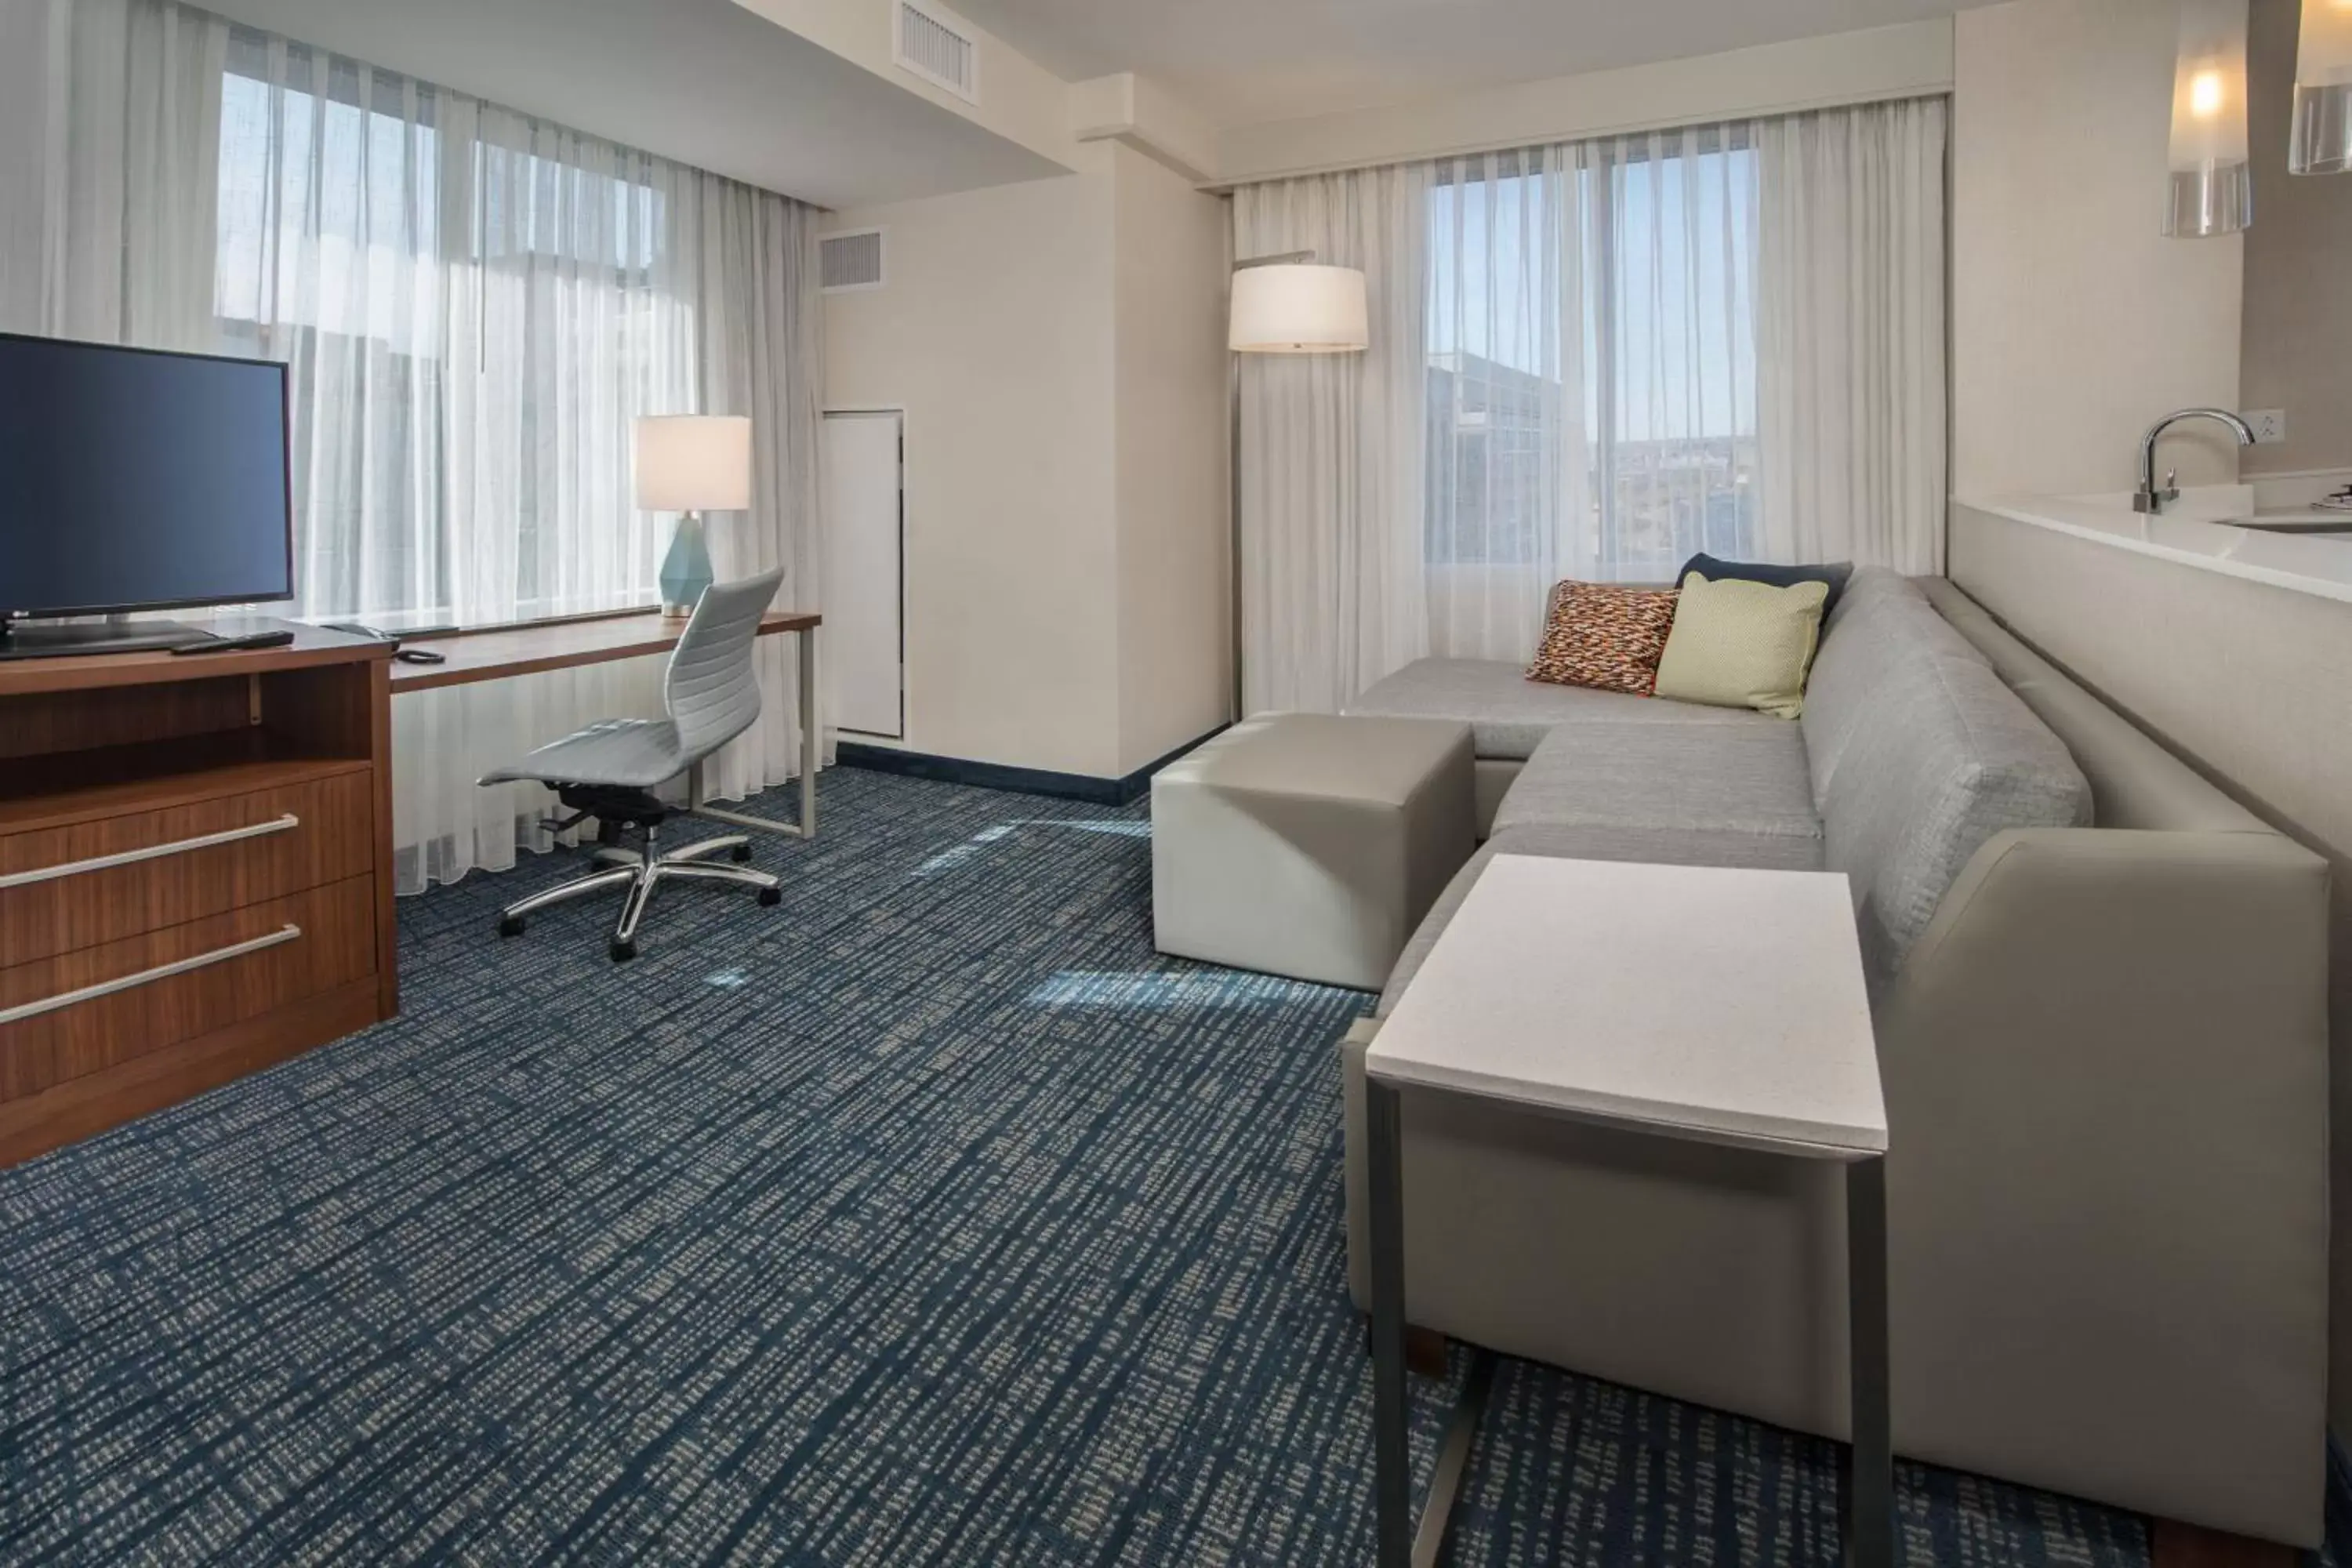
[(1087, 787)]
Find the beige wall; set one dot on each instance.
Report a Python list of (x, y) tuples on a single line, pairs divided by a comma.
[(2251, 683), (1058, 349), (1174, 419), (2076, 323), (2298, 315), (994, 335)]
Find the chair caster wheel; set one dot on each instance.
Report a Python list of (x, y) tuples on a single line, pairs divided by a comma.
[(623, 951), (772, 897), (740, 854), (510, 925)]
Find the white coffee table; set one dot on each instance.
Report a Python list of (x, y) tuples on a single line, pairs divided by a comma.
[(1699, 1003)]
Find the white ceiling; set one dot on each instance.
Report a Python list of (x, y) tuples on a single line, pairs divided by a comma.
[(1239, 62), (704, 81)]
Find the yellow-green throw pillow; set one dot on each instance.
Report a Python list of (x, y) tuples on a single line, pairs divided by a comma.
[(1742, 645)]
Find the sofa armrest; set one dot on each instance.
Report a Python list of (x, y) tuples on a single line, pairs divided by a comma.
[(2105, 1064)]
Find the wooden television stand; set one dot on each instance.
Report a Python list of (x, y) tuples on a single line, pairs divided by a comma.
[(195, 873)]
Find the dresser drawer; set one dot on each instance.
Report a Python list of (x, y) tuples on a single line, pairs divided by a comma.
[(82, 1012), (63, 888)]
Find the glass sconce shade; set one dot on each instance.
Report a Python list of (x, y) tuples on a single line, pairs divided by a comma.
[(2321, 141), (2211, 189)]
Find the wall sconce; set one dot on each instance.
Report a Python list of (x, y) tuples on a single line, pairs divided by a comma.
[(2212, 190), (2322, 138)]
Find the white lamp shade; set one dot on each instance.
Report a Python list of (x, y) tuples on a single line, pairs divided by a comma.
[(1298, 310), (693, 462)]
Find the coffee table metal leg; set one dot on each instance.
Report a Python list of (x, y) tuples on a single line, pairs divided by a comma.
[(1454, 1461), (1392, 1450), (1869, 1501)]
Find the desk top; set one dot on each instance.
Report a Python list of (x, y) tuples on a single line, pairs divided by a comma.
[(499, 652), (1702, 1002)]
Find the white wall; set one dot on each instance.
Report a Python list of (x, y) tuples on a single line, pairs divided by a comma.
[(2075, 322), (1174, 417), (994, 334), (1058, 348)]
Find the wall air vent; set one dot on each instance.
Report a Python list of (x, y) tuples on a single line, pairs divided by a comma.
[(850, 261), (938, 46)]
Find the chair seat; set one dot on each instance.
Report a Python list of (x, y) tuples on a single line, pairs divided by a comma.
[(636, 754)]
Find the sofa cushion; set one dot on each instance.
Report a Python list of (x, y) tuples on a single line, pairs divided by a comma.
[(1509, 715), (1604, 636), (1830, 574), (1657, 780), (1882, 622), (1942, 756), (1737, 644)]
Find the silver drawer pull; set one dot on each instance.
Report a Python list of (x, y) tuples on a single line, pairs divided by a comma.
[(286, 824), (148, 977)]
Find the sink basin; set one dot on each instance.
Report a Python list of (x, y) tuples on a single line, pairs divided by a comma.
[(2316, 524)]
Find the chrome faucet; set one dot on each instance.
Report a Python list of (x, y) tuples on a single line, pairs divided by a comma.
[(2150, 500)]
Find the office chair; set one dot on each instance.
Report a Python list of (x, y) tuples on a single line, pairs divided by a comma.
[(610, 770)]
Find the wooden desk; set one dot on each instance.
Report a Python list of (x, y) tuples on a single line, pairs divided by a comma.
[(496, 653), (501, 653)]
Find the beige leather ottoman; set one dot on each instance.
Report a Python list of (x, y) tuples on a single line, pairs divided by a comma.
[(1310, 845)]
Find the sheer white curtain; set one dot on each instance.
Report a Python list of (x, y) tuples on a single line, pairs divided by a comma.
[(1624, 351), (1592, 372), (1850, 329), (1330, 459), (109, 115), (476, 306)]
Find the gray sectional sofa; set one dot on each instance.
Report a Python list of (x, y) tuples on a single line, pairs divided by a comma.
[(2099, 987)]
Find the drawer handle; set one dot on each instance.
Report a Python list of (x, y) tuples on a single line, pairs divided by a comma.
[(286, 824), (148, 977)]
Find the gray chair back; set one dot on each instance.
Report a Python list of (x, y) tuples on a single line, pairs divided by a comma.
[(712, 693)]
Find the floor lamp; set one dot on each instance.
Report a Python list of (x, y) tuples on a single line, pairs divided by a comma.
[(1286, 304)]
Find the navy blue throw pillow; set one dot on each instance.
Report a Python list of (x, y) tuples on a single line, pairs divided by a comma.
[(1833, 575)]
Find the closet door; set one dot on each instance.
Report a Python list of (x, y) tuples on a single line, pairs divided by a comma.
[(865, 522)]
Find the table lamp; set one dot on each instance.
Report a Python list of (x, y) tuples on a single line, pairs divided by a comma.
[(690, 464)]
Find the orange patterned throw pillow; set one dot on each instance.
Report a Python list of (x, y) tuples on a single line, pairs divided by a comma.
[(1604, 636)]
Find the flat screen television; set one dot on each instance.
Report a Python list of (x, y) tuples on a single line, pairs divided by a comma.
[(134, 480)]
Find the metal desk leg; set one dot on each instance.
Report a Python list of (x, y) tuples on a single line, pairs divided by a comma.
[(811, 750), (1869, 1499), (812, 741), (1391, 1443)]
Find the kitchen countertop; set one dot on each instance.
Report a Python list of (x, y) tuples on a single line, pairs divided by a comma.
[(2192, 532)]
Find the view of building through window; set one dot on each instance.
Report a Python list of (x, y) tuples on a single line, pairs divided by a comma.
[(1591, 357)]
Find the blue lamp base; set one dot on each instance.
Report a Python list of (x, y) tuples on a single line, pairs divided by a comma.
[(686, 570)]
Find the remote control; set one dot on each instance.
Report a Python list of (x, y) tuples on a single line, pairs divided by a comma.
[(232, 645)]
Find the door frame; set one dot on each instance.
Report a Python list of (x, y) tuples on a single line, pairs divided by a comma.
[(906, 674)]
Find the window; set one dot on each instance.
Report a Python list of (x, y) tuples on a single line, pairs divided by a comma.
[(1591, 357), (474, 306)]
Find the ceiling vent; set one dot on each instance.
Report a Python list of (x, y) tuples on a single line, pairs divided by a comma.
[(850, 261), (938, 46)]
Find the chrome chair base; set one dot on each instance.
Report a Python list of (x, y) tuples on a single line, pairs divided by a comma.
[(640, 873)]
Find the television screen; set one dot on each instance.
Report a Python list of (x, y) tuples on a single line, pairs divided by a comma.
[(131, 479)]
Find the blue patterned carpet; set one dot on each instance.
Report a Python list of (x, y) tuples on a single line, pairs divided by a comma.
[(928, 1218)]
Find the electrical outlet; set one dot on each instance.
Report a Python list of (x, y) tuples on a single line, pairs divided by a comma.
[(2270, 424)]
